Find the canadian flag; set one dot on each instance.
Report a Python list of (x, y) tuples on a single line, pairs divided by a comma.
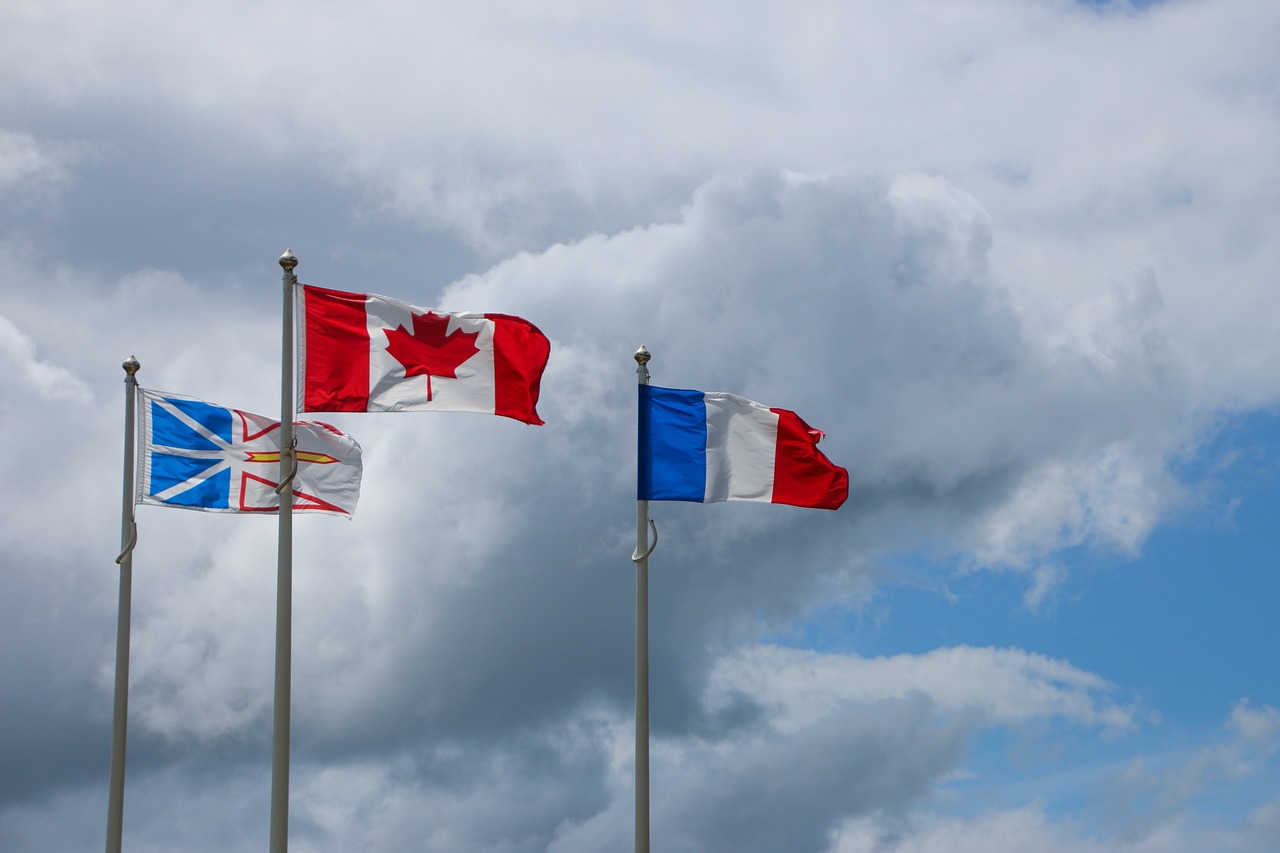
[(361, 352)]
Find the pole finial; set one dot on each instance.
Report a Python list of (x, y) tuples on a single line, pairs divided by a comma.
[(288, 261), (131, 365), (642, 361)]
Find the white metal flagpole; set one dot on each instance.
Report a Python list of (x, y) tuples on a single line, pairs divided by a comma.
[(644, 547), (284, 575), (128, 538)]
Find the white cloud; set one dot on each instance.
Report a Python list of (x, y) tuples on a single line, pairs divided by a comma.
[(883, 293), (23, 371), (874, 749), (1027, 828), (1005, 685), (1258, 725), (27, 167), (1014, 257)]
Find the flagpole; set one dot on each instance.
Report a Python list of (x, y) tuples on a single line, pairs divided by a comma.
[(641, 558), (128, 538), (284, 575)]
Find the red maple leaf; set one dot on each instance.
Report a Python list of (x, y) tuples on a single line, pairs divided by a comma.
[(427, 350)]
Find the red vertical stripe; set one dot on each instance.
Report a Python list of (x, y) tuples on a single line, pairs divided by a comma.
[(802, 474), (520, 355), (336, 351)]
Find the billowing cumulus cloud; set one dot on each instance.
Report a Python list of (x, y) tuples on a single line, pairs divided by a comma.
[(1016, 259)]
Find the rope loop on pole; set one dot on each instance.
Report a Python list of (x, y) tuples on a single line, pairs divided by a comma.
[(636, 556), (133, 541), (293, 470)]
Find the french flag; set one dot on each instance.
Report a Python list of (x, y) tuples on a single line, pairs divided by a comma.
[(706, 446)]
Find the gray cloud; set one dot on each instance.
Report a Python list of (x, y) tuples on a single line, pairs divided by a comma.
[(1013, 258)]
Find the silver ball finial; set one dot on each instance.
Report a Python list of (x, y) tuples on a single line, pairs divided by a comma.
[(288, 261), (131, 365), (642, 356)]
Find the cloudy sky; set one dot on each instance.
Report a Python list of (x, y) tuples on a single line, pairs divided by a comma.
[(1017, 258)]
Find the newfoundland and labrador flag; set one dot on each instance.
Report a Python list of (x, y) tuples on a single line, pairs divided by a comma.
[(361, 352), (712, 446), (196, 455)]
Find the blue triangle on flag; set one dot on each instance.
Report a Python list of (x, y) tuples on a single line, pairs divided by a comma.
[(168, 431), (169, 471)]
